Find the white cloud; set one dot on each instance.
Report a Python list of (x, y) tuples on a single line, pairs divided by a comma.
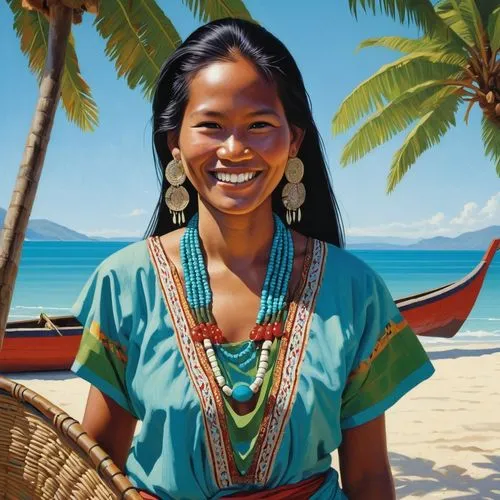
[(415, 229), (467, 216), (436, 219), (470, 218), (492, 207), (136, 212)]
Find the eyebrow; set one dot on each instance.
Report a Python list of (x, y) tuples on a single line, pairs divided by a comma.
[(217, 114)]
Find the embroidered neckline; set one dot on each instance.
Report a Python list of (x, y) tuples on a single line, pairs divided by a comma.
[(286, 371)]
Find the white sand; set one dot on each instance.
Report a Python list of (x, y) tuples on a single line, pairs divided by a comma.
[(444, 436)]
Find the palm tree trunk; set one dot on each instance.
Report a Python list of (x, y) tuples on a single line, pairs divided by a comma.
[(23, 196)]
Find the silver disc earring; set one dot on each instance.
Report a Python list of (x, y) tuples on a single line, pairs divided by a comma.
[(176, 196), (294, 192)]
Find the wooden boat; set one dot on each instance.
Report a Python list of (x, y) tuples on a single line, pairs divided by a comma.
[(51, 343), (442, 311), (40, 344)]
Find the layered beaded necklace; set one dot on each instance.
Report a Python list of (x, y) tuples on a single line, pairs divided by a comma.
[(271, 313)]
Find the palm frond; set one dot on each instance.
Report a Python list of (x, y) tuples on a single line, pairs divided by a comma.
[(394, 118), (491, 140), (427, 132), (467, 10), (438, 53), (451, 16), (486, 8), (494, 30), (410, 45), (76, 97), (140, 37), (32, 28), (420, 12), (388, 83), (209, 10)]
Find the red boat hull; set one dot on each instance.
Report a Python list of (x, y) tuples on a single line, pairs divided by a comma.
[(441, 312), (439, 316), (34, 352)]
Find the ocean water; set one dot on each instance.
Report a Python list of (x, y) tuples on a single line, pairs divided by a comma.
[(51, 275)]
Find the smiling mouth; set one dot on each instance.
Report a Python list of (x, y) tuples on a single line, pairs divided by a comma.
[(235, 179)]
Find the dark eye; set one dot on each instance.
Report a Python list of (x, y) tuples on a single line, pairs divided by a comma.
[(208, 125), (260, 125)]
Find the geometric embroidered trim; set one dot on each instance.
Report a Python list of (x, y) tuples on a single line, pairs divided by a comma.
[(113, 347)]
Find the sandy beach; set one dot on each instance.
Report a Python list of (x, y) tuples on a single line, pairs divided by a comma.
[(443, 437)]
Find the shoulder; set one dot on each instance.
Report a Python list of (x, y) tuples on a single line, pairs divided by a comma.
[(346, 265), (349, 277), (126, 261)]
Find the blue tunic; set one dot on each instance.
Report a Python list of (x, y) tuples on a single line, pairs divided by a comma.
[(347, 357)]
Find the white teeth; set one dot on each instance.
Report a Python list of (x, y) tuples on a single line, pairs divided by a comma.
[(235, 178)]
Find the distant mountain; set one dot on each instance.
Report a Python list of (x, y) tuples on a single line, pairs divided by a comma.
[(473, 240), (43, 229), (46, 230)]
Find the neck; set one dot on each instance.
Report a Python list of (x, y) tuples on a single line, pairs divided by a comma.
[(236, 240)]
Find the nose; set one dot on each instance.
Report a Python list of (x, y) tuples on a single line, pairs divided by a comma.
[(233, 149)]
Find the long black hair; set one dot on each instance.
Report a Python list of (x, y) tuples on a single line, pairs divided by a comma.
[(217, 41)]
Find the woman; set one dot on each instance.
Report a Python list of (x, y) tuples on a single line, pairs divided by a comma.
[(247, 341)]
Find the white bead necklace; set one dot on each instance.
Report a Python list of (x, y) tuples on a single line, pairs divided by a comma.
[(261, 370)]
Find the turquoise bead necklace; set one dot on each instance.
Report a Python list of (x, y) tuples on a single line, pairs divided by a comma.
[(242, 355), (271, 313)]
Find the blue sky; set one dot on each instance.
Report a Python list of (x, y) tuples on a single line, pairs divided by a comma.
[(104, 183)]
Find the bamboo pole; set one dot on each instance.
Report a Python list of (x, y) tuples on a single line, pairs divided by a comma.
[(23, 196)]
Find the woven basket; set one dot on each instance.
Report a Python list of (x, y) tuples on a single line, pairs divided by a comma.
[(45, 454)]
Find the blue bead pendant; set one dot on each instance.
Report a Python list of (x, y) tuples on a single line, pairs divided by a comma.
[(242, 393)]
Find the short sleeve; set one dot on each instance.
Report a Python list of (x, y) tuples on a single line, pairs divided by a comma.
[(102, 356), (389, 359)]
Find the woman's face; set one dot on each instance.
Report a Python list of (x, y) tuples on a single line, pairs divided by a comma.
[(234, 139)]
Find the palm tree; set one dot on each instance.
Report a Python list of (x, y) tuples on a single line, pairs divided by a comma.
[(139, 38), (455, 61)]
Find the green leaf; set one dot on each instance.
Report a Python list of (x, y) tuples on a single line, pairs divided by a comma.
[(420, 12), (494, 30), (491, 140), (410, 45), (394, 118), (140, 38), (76, 97), (467, 12), (428, 132), (432, 51), (486, 8), (32, 28), (386, 84), (449, 14), (209, 10)]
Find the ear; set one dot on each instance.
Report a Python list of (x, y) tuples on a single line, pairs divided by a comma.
[(173, 144), (297, 136)]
